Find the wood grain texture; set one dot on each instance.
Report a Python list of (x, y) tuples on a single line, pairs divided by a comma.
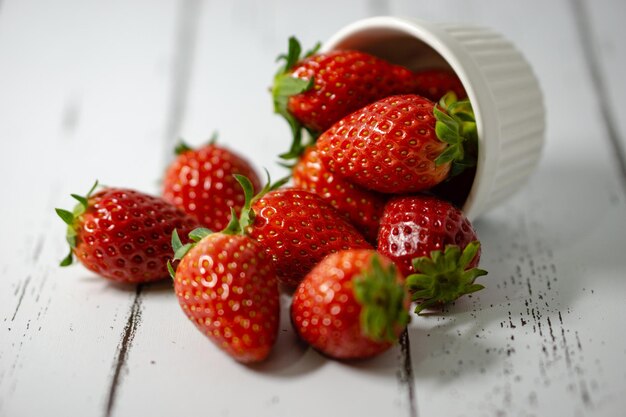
[(602, 33), (84, 93), (524, 346), (544, 338)]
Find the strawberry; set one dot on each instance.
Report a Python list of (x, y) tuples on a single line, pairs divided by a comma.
[(123, 235), (401, 144), (295, 227), (434, 84), (226, 285), (200, 182), (434, 244), (298, 229), (318, 90), (352, 305), (362, 208)]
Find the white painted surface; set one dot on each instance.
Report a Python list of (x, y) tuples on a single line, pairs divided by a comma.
[(101, 90)]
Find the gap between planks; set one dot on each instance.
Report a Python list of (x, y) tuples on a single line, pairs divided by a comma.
[(186, 33), (587, 40)]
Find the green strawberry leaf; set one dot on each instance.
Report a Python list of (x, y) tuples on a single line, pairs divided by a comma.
[(293, 54), (170, 269), (444, 276), (448, 135), (448, 100), (180, 249), (246, 218), (446, 120), (286, 86), (70, 218), (452, 153), (313, 50), (66, 216), (182, 147), (382, 299), (234, 226), (67, 260), (289, 86), (456, 126), (469, 253), (81, 200), (176, 243), (197, 234)]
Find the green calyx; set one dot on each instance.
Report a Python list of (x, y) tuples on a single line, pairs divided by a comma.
[(382, 299), (444, 276), (285, 86), (456, 126), (182, 147), (69, 218), (180, 250), (246, 218), (236, 225)]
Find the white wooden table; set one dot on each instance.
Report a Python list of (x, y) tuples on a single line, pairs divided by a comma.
[(93, 89)]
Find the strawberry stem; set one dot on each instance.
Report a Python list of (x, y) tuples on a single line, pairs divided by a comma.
[(285, 86), (444, 276), (382, 299), (456, 126)]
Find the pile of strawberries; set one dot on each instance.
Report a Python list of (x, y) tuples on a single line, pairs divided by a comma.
[(379, 158)]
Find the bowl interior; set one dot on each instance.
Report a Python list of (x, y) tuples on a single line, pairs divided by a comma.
[(395, 46)]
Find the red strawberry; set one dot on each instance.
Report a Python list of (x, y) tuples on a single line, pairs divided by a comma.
[(433, 243), (352, 305), (320, 89), (434, 84), (362, 208), (201, 182), (226, 285), (297, 228), (400, 144), (123, 235)]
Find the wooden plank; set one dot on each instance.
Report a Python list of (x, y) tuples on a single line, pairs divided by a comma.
[(84, 95), (540, 340), (602, 33)]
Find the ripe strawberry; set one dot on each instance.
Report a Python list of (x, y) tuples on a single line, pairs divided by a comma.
[(434, 84), (433, 243), (352, 305), (362, 208), (226, 285), (319, 89), (123, 235), (296, 228), (401, 144), (201, 183)]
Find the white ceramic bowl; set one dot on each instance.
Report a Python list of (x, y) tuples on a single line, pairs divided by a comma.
[(501, 86)]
